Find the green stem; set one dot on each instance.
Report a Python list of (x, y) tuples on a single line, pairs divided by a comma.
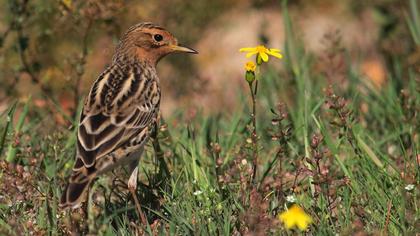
[(254, 136)]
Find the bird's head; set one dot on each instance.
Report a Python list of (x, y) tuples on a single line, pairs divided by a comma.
[(148, 42)]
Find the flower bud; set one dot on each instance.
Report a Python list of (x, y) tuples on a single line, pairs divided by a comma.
[(250, 76)]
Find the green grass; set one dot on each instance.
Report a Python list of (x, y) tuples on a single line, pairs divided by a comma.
[(371, 155)]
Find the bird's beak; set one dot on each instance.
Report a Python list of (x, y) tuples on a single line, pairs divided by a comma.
[(180, 48)]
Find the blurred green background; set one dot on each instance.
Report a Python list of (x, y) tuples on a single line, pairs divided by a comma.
[(56, 49)]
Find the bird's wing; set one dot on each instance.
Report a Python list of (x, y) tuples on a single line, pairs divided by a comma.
[(123, 102)]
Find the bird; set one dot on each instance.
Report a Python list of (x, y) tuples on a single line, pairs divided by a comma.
[(120, 111)]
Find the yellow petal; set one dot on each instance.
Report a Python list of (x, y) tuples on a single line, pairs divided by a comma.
[(250, 66), (295, 216), (249, 54), (67, 3), (275, 50), (287, 219), (283, 216), (302, 225), (246, 49), (275, 54), (289, 224), (303, 222), (264, 57)]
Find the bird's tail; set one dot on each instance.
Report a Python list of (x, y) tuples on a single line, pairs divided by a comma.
[(75, 191)]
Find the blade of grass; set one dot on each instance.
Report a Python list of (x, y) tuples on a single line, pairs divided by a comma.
[(9, 120), (413, 22), (369, 152), (12, 149)]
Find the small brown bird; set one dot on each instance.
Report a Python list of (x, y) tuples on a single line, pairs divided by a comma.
[(121, 109)]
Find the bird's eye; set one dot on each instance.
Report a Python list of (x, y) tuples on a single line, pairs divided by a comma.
[(158, 37)]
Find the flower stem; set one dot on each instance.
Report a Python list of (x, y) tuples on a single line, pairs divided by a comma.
[(254, 136)]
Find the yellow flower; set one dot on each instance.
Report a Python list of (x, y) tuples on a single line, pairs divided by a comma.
[(67, 3), (262, 52), (250, 66), (295, 216)]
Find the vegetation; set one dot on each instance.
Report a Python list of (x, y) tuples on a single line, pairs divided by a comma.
[(347, 153)]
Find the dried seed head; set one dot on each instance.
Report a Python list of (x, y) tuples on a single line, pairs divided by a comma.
[(216, 148)]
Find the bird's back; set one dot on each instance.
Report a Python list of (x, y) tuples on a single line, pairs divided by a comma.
[(116, 120)]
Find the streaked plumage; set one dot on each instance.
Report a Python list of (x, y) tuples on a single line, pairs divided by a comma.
[(121, 108)]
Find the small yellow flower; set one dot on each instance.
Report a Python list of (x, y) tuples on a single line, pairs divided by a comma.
[(250, 66), (67, 3), (295, 216), (262, 52)]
